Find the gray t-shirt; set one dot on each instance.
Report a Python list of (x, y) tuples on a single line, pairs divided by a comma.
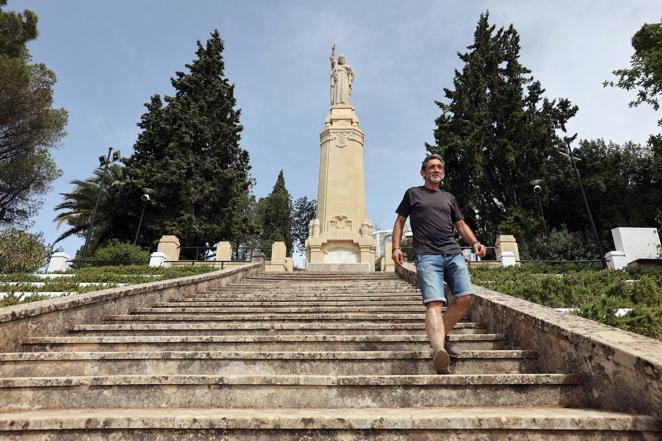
[(431, 213)]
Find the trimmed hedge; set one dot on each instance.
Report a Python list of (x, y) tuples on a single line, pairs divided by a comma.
[(110, 275), (596, 293)]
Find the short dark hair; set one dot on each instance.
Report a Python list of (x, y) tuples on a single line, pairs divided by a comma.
[(428, 158)]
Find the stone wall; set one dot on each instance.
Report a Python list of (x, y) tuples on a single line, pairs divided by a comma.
[(57, 316), (622, 370)]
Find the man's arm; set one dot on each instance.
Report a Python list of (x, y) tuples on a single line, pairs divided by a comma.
[(469, 238), (397, 238)]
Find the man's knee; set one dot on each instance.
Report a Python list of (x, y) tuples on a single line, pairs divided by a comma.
[(463, 300), (434, 305)]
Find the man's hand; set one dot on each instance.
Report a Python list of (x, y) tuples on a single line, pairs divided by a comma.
[(397, 256), (479, 249)]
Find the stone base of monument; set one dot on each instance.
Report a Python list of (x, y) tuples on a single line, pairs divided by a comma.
[(341, 267)]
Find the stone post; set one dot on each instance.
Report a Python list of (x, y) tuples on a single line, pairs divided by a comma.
[(59, 262), (616, 260), (508, 258), (506, 242), (389, 265), (169, 245), (278, 262), (157, 260), (223, 251)]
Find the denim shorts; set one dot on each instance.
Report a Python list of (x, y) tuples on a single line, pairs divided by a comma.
[(432, 270)]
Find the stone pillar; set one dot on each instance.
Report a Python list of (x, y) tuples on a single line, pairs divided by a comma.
[(340, 237), (616, 260), (278, 262), (223, 251), (389, 265), (59, 262), (508, 259), (157, 260), (169, 245), (506, 242)]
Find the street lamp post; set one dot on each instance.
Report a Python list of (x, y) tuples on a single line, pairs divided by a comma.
[(598, 243), (104, 161), (537, 189), (145, 199)]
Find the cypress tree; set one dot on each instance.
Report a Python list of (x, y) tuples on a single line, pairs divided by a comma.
[(275, 214), (188, 153), (496, 132)]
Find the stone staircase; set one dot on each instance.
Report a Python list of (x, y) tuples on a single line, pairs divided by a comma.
[(295, 356)]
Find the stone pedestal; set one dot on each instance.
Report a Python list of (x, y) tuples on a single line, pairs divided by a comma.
[(169, 245), (279, 261), (341, 233), (223, 251), (59, 262), (507, 242)]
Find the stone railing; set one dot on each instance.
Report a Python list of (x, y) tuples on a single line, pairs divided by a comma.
[(622, 370), (57, 316)]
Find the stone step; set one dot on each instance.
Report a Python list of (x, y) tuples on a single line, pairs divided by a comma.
[(298, 298), (288, 424), (331, 294), (86, 363), (263, 343), (186, 302), (280, 318), (275, 310), (302, 391), (251, 328), (211, 307)]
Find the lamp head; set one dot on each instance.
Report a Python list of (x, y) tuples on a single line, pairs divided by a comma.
[(537, 188), (145, 198)]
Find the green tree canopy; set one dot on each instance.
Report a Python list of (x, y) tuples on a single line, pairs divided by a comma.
[(275, 214), (496, 132), (645, 72), (29, 126), (188, 152), (303, 211)]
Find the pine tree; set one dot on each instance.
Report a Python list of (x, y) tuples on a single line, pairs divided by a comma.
[(29, 126), (188, 153), (495, 132), (275, 214)]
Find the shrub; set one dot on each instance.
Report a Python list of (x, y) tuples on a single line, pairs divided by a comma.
[(561, 244), (118, 253), (21, 251)]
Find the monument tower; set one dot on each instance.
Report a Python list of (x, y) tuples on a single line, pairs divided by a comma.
[(340, 237)]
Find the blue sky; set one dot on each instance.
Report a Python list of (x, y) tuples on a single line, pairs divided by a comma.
[(111, 56)]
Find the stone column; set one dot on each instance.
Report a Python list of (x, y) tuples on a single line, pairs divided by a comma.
[(389, 265), (224, 251), (278, 260), (506, 242), (169, 245), (59, 262)]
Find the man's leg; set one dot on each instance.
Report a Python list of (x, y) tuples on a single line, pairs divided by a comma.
[(434, 325), (456, 311), (430, 274), (459, 282)]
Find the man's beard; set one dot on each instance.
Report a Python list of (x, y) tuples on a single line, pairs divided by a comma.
[(434, 180)]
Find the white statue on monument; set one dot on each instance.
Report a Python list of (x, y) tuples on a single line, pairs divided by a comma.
[(342, 76)]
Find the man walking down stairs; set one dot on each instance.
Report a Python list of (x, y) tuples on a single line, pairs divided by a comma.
[(292, 356)]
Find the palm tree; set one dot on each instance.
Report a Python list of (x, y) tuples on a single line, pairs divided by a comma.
[(76, 209)]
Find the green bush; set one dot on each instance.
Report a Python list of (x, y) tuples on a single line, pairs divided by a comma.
[(561, 244), (596, 293), (118, 253), (21, 251)]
